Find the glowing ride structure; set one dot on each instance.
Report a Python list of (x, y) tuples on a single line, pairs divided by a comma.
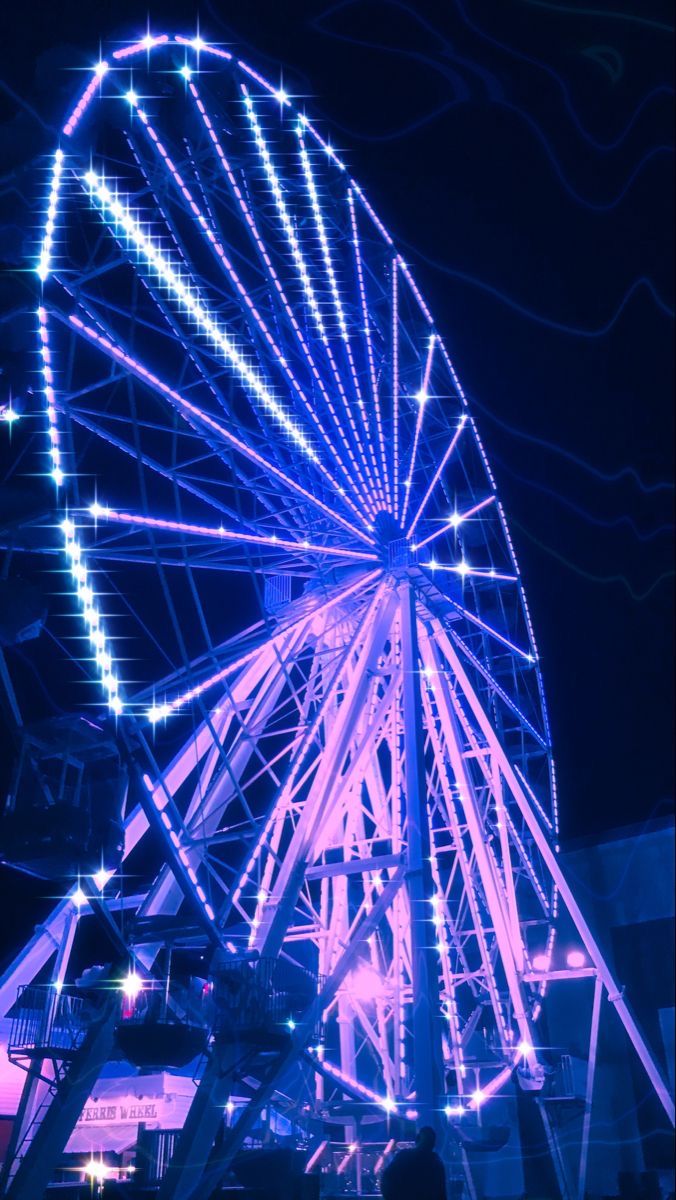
[(250, 410)]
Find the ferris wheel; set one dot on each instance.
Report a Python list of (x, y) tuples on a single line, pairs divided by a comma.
[(299, 599)]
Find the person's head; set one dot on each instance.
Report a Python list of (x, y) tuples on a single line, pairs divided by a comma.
[(426, 1138)]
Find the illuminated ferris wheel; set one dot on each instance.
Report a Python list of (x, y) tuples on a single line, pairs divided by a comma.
[(299, 595)]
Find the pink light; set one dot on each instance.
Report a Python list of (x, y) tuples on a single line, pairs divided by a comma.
[(366, 984), (575, 959), (146, 43), (541, 962)]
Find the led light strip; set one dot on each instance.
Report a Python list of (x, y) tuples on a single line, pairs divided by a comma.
[(500, 637), (218, 248), (199, 313), (422, 398), (83, 103), (369, 345), (328, 264), (147, 43), (262, 250), (102, 511), (464, 571), (43, 267), (73, 549), (306, 282)]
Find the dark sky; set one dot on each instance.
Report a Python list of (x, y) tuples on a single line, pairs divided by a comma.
[(521, 152)]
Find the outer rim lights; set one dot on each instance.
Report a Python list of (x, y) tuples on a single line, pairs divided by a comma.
[(101, 69), (575, 959), (9, 415)]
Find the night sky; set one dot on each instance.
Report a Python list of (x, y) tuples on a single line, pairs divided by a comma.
[(520, 153)]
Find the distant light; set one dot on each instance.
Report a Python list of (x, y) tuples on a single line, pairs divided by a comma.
[(97, 510), (97, 1170), (57, 476), (575, 958), (101, 68), (148, 41), (541, 962), (186, 72), (411, 1114), (132, 98), (79, 898), (9, 415), (454, 1110), (132, 986), (157, 712), (478, 1097)]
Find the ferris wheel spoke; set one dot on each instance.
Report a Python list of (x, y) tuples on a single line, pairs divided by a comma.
[(287, 308), (258, 321), (499, 691), (454, 521), (422, 399), (340, 314), (437, 474), (204, 424), (366, 322), (395, 386), (166, 708), (103, 512), (366, 482), (187, 296)]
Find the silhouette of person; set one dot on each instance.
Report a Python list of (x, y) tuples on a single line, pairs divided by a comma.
[(416, 1174)]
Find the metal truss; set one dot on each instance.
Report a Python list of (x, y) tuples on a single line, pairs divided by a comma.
[(250, 409)]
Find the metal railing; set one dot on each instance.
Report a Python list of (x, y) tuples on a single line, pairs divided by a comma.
[(46, 1023)]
